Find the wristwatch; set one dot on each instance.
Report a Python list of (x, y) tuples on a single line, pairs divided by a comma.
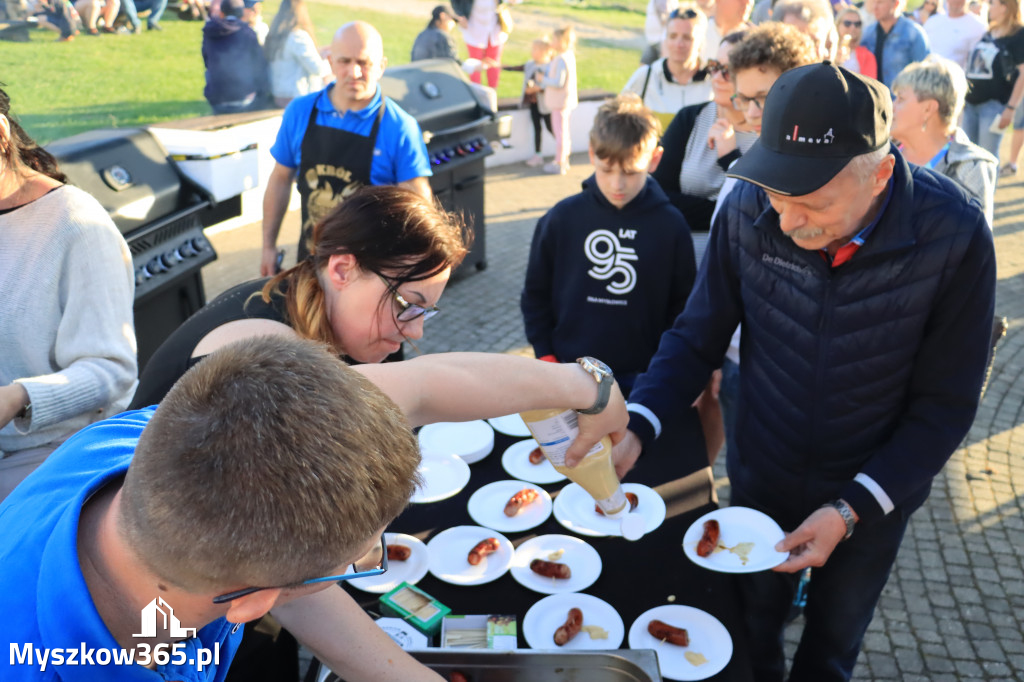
[(602, 374), (846, 512)]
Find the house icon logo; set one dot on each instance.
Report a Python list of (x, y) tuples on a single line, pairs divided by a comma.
[(158, 615)]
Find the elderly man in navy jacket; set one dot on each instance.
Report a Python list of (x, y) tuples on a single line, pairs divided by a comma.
[(866, 290)]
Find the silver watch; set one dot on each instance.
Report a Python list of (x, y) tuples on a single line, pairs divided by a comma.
[(846, 512), (602, 374)]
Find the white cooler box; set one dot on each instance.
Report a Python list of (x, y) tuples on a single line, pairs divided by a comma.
[(225, 162)]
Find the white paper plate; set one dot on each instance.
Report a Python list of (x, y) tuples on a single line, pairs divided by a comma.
[(516, 461), (581, 558), (574, 509), (411, 570), (549, 614), (707, 636), (472, 441), (737, 524), (443, 476), (487, 507), (448, 551), (510, 425)]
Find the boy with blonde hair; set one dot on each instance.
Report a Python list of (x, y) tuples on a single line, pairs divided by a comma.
[(612, 266)]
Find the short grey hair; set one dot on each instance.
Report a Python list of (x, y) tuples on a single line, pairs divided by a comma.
[(939, 79), (864, 165)]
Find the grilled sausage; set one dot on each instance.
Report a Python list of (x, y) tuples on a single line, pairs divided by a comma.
[(630, 497), (399, 552), (536, 456), (550, 569), (520, 500), (667, 633), (570, 628), (709, 540), (456, 676), (482, 549)]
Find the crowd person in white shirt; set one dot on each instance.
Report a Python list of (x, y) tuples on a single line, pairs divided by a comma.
[(654, 27), (730, 16), (953, 34), (296, 65), (678, 79)]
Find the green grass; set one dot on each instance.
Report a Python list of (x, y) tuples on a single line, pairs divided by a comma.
[(60, 89)]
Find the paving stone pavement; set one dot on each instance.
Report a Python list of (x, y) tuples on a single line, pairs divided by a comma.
[(953, 610)]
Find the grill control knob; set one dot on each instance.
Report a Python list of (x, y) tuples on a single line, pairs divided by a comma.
[(156, 266), (186, 250), (199, 244), (170, 259)]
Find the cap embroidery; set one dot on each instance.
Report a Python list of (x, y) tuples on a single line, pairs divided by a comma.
[(827, 138)]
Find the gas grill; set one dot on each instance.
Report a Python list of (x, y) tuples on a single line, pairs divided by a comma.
[(160, 214), (458, 129)]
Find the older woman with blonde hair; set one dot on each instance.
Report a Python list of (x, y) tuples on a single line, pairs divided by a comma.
[(929, 99)]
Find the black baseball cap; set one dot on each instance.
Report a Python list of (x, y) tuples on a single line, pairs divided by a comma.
[(816, 118)]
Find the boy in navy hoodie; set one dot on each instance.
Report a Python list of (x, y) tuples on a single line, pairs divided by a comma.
[(611, 267)]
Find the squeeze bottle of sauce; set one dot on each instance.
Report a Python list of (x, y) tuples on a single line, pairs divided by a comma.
[(555, 430)]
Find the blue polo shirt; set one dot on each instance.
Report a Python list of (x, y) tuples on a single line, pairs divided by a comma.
[(43, 595), (399, 155)]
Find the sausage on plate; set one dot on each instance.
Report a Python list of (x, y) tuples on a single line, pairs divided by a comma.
[(709, 540), (399, 552), (570, 628), (519, 500), (550, 569), (482, 549), (668, 633)]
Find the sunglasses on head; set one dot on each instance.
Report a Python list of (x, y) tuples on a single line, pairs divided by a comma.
[(715, 66), (850, 23), (683, 14)]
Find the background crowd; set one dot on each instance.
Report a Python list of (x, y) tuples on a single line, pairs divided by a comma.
[(694, 108)]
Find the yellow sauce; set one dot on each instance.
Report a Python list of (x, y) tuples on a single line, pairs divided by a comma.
[(695, 658)]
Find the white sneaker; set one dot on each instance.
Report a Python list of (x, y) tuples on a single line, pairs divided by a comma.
[(535, 161), (556, 169)]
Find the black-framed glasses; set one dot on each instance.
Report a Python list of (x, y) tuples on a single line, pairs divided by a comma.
[(742, 102), (407, 312), (353, 572), (688, 13), (849, 23), (715, 66)]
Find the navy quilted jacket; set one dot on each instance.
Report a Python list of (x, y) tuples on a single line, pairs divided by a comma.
[(870, 371)]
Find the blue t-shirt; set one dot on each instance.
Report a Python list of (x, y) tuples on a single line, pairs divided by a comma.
[(399, 155), (43, 595)]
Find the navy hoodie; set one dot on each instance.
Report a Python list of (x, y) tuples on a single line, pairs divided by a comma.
[(235, 65), (607, 282)]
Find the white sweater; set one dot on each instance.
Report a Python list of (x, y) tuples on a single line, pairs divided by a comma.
[(67, 335), (298, 69)]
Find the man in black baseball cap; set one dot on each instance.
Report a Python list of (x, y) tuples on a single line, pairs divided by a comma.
[(866, 290)]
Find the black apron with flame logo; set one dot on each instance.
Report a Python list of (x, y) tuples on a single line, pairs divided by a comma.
[(334, 164)]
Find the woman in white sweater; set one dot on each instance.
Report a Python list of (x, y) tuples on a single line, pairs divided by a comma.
[(67, 342), (296, 65)]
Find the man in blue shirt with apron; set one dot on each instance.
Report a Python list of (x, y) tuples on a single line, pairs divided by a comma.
[(336, 140)]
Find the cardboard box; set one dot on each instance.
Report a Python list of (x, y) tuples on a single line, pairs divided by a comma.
[(496, 632), (416, 607)]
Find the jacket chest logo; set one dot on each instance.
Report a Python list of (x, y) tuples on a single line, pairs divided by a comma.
[(611, 260)]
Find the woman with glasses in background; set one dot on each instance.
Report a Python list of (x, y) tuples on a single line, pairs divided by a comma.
[(677, 79), (700, 144), (853, 56), (380, 263)]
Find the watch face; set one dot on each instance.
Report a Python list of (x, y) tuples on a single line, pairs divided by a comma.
[(598, 365)]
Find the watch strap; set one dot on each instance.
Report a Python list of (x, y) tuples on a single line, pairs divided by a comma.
[(847, 513), (603, 376)]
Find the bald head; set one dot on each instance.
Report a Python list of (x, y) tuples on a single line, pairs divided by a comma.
[(357, 59)]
